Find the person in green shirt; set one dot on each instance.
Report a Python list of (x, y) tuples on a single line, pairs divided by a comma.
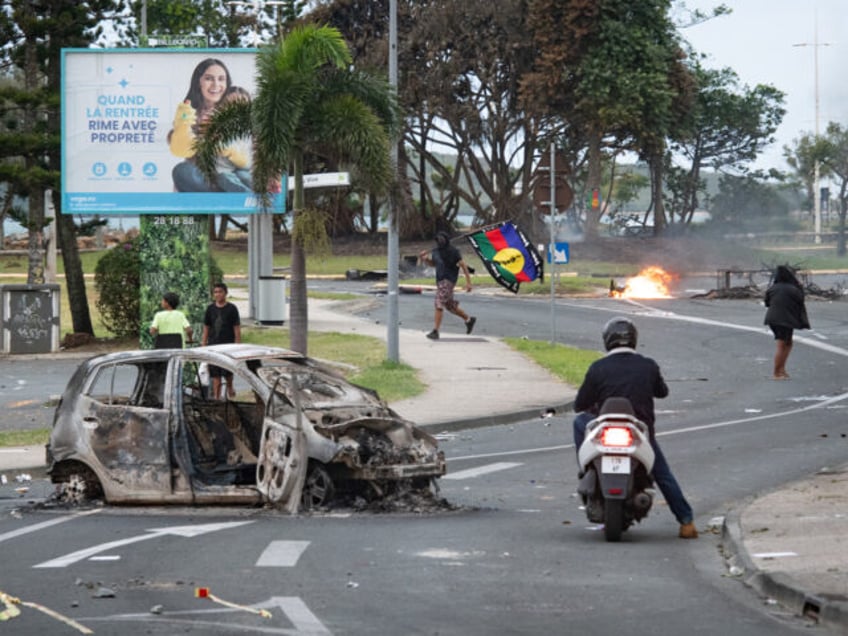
[(169, 325)]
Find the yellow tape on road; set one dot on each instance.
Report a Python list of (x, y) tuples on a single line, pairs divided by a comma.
[(203, 592), (11, 611)]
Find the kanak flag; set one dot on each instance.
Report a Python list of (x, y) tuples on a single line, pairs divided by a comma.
[(507, 254)]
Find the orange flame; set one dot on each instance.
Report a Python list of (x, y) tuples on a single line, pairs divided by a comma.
[(651, 282)]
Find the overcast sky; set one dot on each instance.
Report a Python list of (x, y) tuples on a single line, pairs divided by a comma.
[(757, 40)]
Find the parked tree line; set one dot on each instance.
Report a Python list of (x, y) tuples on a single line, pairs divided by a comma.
[(485, 88)]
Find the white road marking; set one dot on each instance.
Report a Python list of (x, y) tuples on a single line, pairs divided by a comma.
[(107, 557), (293, 608), (670, 315), (481, 470), (180, 531), (824, 403), (44, 524), (281, 554), (656, 313), (773, 555)]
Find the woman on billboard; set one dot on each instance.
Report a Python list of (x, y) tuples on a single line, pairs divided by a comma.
[(211, 85)]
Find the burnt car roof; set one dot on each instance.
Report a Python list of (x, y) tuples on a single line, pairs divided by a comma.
[(234, 352)]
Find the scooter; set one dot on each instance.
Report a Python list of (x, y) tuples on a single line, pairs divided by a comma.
[(616, 459)]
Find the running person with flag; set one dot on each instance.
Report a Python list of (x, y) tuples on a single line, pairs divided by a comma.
[(448, 261)]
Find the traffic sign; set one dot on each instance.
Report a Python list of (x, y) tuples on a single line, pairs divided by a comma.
[(561, 255)]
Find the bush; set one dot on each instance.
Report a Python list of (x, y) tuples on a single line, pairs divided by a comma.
[(117, 281)]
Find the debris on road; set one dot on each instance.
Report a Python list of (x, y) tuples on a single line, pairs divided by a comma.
[(203, 592)]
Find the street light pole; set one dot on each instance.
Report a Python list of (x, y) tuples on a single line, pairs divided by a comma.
[(816, 166), (392, 318)]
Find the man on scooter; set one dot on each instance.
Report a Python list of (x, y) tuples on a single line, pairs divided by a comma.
[(625, 373)]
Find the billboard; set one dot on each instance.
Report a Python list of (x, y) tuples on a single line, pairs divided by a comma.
[(129, 121)]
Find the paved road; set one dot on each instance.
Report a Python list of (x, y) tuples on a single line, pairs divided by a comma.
[(516, 555)]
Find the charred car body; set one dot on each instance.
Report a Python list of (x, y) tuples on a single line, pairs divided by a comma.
[(138, 427)]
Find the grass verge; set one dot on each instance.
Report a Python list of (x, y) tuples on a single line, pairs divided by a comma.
[(567, 363), (35, 437)]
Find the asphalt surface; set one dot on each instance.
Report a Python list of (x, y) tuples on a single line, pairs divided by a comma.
[(790, 545)]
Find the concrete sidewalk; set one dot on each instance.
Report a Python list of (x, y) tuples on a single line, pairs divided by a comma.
[(790, 545), (472, 380)]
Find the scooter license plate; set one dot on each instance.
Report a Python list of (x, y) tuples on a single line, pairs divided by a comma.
[(616, 464)]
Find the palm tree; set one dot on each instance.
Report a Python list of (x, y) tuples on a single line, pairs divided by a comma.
[(309, 100)]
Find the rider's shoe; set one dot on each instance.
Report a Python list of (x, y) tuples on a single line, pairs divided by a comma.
[(688, 531)]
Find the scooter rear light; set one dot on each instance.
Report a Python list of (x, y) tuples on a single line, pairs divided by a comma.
[(616, 436)]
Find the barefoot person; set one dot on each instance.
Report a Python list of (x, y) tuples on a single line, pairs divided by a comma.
[(786, 312)]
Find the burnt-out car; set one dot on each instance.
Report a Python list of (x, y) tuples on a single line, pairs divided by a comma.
[(140, 427)]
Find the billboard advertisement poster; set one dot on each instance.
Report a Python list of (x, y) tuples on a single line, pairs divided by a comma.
[(129, 121)]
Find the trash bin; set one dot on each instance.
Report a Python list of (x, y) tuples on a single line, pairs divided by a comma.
[(30, 318), (271, 305)]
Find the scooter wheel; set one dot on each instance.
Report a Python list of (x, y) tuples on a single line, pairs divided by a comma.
[(613, 519)]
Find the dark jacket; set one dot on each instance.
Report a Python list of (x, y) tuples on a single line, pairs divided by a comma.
[(446, 258), (623, 373), (785, 302)]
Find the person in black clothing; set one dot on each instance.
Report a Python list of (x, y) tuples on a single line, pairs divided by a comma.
[(221, 325), (447, 261), (786, 312), (625, 373)]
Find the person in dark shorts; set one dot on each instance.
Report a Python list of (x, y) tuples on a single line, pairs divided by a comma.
[(221, 325), (448, 261), (786, 312)]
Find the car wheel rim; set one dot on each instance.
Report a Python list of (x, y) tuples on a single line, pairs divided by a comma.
[(318, 489)]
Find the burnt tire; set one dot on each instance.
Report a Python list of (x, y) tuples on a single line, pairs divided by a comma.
[(318, 489), (613, 519), (79, 485)]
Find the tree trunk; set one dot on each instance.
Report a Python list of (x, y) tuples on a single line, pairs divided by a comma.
[(593, 215), (298, 315), (656, 166), (222, 228), (35, 209), (74, 279)]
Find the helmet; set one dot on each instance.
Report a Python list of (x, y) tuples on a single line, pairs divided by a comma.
[(620, 332)]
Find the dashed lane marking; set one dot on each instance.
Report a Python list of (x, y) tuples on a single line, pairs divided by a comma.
[(44, 524), (281, 554), (481, 470)]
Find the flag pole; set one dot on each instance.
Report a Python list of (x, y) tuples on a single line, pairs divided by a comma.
[(475, 230)]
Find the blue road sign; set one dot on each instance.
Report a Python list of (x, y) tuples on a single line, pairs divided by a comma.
[(560, 253)]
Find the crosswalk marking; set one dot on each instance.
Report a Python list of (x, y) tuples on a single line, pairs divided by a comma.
[(481, 470)]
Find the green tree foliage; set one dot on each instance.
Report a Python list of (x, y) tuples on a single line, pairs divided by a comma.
[(182, 268), (310, 99), (223, 23), (116, 280), (612, 69), (34, 33), (726, 128), (466, 140), (173, 256), (747, 202), (802, 157), (832, 151)]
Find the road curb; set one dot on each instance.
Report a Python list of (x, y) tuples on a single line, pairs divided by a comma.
[(777, 585), (497, 420)]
